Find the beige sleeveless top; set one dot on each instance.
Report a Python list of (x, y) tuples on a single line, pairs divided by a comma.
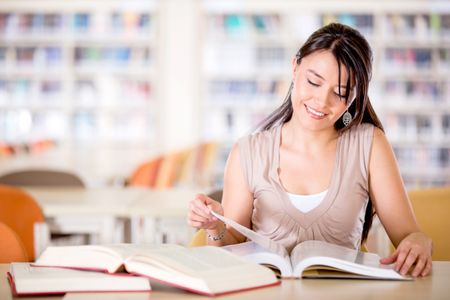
[(338, 219)]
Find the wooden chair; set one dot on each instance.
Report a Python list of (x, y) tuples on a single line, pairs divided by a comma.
[(432, 207), (41, 177), (199, 238), (12, 249), (20, 212)]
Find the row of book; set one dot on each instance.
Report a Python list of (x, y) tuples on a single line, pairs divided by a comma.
[(113, 55), (424, 156), (270, 25), (39, 56), (418, 58), (421, 25), (23, 125), (395, 25), (50, 56), (122, 92), (116, 21), (363, 22), (117, 91), (25, 91), (417, 128), (245, 90), (420, 91), (244, 25), (444, 59)]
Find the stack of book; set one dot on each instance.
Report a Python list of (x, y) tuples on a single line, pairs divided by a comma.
[(128, 268), (205, 270)]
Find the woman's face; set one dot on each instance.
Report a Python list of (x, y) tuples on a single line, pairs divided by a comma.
[(317, 100)]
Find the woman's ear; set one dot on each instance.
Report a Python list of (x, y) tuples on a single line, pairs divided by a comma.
[(294, 66)]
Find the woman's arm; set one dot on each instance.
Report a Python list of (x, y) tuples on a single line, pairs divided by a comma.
[(393, 207), (237, 204)]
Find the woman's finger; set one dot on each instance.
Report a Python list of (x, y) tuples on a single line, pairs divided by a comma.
[(402, 254), (390, 259), (421, 262), (200, 207), (410, 259), (428, 268)]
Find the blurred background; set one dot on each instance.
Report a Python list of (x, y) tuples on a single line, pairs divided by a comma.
[(109, 79), (101, 88)]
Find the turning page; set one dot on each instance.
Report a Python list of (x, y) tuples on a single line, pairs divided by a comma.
[(263, 241)]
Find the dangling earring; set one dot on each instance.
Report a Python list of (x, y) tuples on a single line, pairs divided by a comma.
[(347, 118)]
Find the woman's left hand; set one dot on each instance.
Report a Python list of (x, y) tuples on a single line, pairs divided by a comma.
[(412, 254)]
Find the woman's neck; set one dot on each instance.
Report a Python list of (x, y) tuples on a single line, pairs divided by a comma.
[(294, 137)]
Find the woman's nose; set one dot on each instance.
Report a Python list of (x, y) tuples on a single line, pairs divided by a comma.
[(323, 98)]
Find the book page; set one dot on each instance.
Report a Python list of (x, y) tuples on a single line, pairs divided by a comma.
[(32, 280), (318, 254), (261, 240), (254, 252), (128, 250), (96, 257), (208, 269), (315, 248), (189, 261)]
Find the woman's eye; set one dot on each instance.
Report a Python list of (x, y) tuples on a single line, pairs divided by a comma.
[(312, 83), (341, 97)]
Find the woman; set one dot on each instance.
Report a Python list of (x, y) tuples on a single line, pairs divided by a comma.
[(321, 165)]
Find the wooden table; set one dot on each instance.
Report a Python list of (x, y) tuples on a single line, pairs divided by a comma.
[(436, 286), (104, 211)]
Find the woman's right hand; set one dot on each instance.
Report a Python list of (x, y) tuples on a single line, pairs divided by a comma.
[(200, 216)]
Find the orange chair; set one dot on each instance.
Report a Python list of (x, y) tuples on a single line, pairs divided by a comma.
[(20, 212), (146, 174), (170, 169), (12, 249), (206, 157)]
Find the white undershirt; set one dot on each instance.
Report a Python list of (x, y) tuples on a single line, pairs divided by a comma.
[(306, 203)]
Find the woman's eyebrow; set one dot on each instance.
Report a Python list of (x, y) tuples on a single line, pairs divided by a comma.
[(315, 73)]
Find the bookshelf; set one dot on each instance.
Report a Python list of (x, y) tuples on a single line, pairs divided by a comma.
[(104, 72), (248, 46), (79, 72)]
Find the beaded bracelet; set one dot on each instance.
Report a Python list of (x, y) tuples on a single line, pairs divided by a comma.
[(218, 237)]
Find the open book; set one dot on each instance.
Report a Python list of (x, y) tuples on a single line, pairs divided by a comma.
[(205, 270), (26, 280), (310, 259)]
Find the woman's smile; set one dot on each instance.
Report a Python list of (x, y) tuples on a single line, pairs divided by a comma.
[(315, 114)]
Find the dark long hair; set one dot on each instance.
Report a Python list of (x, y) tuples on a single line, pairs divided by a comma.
[(353, 52)]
